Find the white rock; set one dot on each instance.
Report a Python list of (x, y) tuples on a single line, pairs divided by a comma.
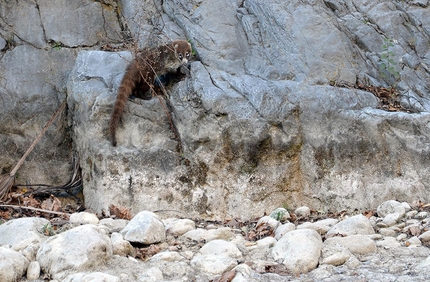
[(33, 270), (388, 243), (13, 265), (196, 234), (167, 256), (387, 232), (401, 237), (152, 274), (425, 237), (222, 233), (283, 229), (323, 272), (266, 242), (375, 236), (216, 257), (324, 225), (424, 265), (91, 277), (243, 268), (413, 242), (421, 215), (299, 250), (392, 218), (406, 206), (357, 224), (178, 227), (20, 233), (411, 214), (76, 249), (213, 264), (114, 225), (270, 221), (302, 212), (356, 244), (187, 255), (30, 251), (306, 225), (280, 214), (120, 246), (391, 206), (353, 262), (199, 234), (144, 228), (83, 218), (321, 226), (336, 259), (221, 247)]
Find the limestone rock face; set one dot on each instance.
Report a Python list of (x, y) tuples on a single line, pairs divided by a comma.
[(261, 119), (36, 57)]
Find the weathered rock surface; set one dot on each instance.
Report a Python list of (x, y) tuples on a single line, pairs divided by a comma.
[(95, 276), (261, 121), (74, 250), (177, 227), (299, 250), (358, 224), (92, 253), (260, 124), (13, 265), (356, 244), (144, 228), (22, 232)]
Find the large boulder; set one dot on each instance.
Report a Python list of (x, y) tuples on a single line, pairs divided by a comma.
[(75, 250), (13, 265), (299, 250)]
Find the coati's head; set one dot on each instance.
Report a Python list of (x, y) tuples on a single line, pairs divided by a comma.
[(182, 51)]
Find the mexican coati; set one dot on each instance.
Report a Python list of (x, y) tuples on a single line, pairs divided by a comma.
[(142, 72)]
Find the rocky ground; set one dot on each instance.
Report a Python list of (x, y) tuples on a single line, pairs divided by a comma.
[(388, 244)]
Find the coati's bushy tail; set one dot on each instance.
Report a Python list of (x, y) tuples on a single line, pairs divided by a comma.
[(128, 83)]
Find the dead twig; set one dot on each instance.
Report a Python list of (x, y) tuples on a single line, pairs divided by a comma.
[(33, 209)]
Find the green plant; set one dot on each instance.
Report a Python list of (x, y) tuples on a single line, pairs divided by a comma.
[(387, 68), (47, 230), (56, 45), (278, 214), (193, 52)]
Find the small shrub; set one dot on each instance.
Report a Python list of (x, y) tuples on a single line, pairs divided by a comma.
[(387, 68)]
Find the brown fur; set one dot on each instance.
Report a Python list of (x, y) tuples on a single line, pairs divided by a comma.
[(141, 73)]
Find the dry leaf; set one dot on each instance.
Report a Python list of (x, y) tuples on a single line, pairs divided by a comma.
[(31, 202), (415, 230), (369, 214), (277, 268), (120, 212), (144, 253), (51, 204)]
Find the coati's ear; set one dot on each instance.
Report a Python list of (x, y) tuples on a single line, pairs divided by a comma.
[(175, 46)]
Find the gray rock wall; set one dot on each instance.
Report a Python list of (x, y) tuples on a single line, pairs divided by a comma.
[(39, 41), (260, 125)]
